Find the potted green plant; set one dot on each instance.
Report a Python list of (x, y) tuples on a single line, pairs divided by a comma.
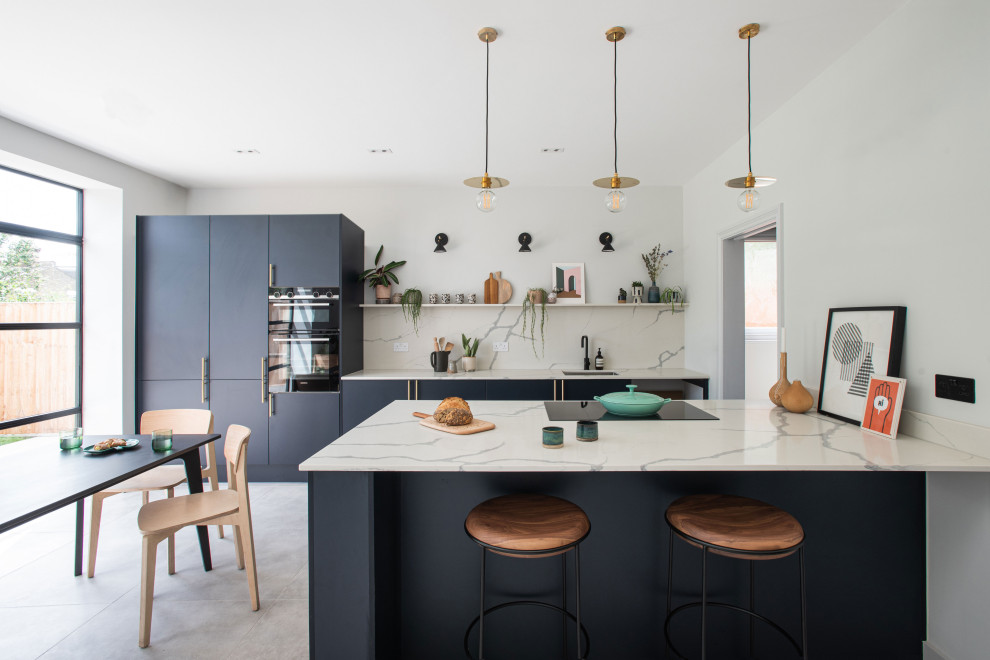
[(381, 277), (672, 295), (534, 297), (470, 359), (637, 291), (412, 306), (653, 260), (622, 295)]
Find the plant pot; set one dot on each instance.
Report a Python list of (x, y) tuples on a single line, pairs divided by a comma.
[(383, 293), (653, 293), (637, 294), (469, 363), (551, 297), (536, 297)]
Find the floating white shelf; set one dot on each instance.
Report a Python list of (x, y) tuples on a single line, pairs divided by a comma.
[(677, 305)]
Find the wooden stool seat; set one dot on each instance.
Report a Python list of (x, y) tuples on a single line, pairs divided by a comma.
[(730, 522), (527, 525)]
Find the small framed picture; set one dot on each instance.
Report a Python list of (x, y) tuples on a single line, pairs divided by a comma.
[(568, 280), (860, 342), (883, 405)]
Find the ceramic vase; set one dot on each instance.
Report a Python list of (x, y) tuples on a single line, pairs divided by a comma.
[(796, 398), (778, 388), (653, 293), (469, 363)]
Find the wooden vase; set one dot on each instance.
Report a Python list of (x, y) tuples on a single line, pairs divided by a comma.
[(778, 388), (797, 399)]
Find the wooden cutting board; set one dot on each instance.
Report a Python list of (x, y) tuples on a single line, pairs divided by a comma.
[(504, 289), (476, 426), (491, 289)]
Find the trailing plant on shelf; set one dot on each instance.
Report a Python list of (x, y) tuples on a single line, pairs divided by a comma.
[(381, 275), (412, 306), (470, 359), (534, 297), (672, 295)]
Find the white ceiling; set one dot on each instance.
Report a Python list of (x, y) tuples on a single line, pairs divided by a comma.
[(174, 88)]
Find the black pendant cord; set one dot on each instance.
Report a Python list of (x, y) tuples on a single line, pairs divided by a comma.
[(615, 107), (487, 74), (749, 104)]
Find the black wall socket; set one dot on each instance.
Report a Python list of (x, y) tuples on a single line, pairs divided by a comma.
[(955, 388)]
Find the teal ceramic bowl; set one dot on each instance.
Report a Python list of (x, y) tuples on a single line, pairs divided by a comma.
[(632, 403)]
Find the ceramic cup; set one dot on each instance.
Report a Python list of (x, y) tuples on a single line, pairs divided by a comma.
[(587, 431), (445, 298), (553, 437), (70, 439), (459, 298), (438, 360), (473, 298), (161, 439), (434, 299)]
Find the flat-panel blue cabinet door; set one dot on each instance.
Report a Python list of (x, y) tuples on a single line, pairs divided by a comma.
[(168, 394), (240, 402), (238, 296), (302, 423), (360, 399), (173, 296), (304, 250)]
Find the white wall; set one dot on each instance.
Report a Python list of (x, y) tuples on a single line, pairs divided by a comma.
[(762, 368), (883, 173), (113, 195), (565, 224)]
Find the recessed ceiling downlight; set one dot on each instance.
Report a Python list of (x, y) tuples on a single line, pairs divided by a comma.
[(248, 152), (379, 150)]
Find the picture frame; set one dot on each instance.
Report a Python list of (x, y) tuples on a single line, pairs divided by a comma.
[(884, 401), (568, 277), (860, 342)]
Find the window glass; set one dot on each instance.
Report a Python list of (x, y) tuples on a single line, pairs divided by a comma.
[(32, 202), (49, 427), (33, 270), (38, 371)]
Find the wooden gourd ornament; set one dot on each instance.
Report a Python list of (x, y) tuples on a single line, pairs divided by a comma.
[(796, 398), (777, 389)]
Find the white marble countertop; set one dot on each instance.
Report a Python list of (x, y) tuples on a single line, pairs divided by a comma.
[(749, 435), (660, 373)]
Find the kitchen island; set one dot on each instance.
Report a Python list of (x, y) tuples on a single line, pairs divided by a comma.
[(392, 573)]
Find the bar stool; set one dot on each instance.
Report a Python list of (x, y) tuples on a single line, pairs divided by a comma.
[(740, 528), (528, 526)]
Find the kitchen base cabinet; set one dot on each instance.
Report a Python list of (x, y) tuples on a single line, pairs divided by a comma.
[(469, 390), (302, 423), (579, 389), (360, 399), (519, 390), (239, 402)]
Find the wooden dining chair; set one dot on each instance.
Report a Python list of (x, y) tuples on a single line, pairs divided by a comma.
[(164, 477), (161, 519)]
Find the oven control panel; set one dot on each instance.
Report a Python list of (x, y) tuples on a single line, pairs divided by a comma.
[(303, 293)]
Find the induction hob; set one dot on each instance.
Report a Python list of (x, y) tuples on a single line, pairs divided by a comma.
[(569, 411)]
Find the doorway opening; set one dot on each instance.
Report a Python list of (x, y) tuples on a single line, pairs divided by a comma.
[(751, 305)]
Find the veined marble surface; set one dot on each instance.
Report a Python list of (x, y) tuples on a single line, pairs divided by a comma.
[(630, 336), (660, 373), (749, 435)]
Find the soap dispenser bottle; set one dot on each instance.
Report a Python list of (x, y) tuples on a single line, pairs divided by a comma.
[(599, 361)]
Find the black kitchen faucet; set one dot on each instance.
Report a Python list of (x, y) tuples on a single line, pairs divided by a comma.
[(587, 360)]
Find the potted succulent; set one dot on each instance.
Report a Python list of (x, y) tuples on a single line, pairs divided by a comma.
[(622, 295), (412, 306), (381, 277), (470, 359), (653, 260), (637, 291), (534, 297)]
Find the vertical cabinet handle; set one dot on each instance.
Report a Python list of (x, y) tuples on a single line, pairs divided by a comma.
[(202, 382), (562, 397), (264, 379), (417, 390), (409, 390), (554, 389), (271, 405), (271, 274)]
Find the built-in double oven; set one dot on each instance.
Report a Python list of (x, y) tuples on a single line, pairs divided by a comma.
[(303, 339)]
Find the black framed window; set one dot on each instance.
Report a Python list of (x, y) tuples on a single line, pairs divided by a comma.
[(41, 225)]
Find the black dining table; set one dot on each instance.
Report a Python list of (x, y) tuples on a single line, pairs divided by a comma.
[(36, 477)]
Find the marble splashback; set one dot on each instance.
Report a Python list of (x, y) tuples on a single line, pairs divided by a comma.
[(631, 336)]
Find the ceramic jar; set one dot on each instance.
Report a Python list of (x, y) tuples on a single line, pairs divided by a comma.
[(434, 299), (473, 298), (459, 298), (445, 298)]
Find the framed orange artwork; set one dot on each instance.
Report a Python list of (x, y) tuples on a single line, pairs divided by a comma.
[(884, 398)]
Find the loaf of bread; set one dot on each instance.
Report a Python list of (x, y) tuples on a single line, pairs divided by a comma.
[(453, 411)]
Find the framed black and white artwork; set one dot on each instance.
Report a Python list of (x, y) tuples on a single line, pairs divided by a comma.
[(859, 342)]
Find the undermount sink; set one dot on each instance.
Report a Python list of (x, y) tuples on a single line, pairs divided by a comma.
[(589, 373)]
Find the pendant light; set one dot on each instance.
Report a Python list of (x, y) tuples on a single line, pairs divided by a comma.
[(749, 199), (486, 198), (615, 201)]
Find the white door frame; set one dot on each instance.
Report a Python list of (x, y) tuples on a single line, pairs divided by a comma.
[(753, 225)]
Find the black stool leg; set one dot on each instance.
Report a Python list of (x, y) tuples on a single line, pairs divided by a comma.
[(704, 596), (563, 617), (752, 607), (577, 596), (481, 621), (670, 590), (804, 609)]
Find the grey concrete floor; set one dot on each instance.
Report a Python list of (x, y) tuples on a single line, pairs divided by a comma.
[(46, 612)]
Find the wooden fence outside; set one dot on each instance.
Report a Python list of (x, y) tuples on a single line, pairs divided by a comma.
[(37, 367)]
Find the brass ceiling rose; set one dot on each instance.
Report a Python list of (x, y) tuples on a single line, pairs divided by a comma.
[(616, 181), (749, 31), (751, 182), (489, 34), (480, 181), (617, 33)]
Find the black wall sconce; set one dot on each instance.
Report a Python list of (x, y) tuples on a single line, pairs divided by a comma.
[(606, 240), (524, 240), (440, 240)]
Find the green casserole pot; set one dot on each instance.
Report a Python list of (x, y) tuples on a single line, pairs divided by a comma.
[(632, 403)]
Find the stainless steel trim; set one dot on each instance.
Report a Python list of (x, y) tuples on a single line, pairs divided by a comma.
[(302, 304), (309, 339)]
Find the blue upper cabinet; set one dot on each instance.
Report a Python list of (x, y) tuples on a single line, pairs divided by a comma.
[(173, 297), (238, 296), (304, 250)]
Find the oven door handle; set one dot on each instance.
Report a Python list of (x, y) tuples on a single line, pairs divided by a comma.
[(307, 339), (302, 304)]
